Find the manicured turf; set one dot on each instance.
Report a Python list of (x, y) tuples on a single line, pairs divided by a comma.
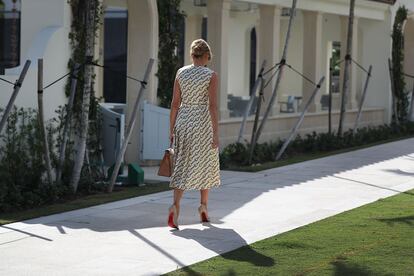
[(376, 239), (84, 201)]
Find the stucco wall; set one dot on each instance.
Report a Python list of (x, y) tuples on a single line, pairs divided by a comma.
[(41, 37), (376, 50), (241, 23), (292, 83)]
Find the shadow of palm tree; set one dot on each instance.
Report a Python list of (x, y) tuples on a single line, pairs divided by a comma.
[(409, 220), (400, 172), (347, 269), (375, 186), (296, 245), (228, 237)]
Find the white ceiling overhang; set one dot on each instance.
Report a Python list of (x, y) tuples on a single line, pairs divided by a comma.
[(363, 9)]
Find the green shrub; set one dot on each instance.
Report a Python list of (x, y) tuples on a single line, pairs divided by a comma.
[(21, 162), (23, 181), (237, 154)]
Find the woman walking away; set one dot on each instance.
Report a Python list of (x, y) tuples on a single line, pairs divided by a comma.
[(194, 131)]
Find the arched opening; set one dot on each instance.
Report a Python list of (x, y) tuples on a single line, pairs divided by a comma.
[(253, 57)]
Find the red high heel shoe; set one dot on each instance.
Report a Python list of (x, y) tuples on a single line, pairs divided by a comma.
[(203, 213), (172, 217)]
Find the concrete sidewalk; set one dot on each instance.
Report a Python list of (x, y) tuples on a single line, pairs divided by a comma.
[(130, 237)]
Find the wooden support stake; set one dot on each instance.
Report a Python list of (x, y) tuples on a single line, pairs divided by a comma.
[(279, 75), (16, 90), (130, 128), (361, 103), (256, 120), (250, 103), (299, 122)]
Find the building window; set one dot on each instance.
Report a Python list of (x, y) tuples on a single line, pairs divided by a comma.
[(204, 29), (115, 54), (336, 67), (253, 52), (9, 34)]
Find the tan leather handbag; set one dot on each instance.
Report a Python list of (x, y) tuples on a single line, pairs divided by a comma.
[(167, 164)]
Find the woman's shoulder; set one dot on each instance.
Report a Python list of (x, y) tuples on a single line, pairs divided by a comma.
[(195, 69), (180, 71), (183, 68), (208, 71)]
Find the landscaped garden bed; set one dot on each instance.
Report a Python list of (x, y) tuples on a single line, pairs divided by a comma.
[(315, 145)]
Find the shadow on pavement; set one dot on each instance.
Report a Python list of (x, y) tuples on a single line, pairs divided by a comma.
[(244, 254)]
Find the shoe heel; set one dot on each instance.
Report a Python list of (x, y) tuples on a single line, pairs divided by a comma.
[(203, 214), (172, 220)]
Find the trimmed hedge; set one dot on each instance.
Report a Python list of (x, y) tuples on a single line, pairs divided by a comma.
[(237, 154)]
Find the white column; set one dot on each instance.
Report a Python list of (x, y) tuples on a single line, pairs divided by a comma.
[(142, 45), (312, 56), (353, 80), (269, 45), (217, 36), (192, 32)]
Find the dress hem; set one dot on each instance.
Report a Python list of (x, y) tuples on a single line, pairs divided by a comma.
[(194, 188)]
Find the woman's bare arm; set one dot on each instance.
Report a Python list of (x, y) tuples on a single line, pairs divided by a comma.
[(175, 104), (213, 107)]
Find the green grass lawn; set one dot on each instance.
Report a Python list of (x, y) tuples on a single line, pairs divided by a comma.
[(376, 239), (119, 193)]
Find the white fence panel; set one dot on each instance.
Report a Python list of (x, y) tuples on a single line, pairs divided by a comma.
[(155, 128)]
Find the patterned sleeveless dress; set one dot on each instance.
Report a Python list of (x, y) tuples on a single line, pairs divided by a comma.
[(197, 164)]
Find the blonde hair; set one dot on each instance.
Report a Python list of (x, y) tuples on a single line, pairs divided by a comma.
[(199, 47)]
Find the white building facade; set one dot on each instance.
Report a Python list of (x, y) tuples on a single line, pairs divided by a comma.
[(242, 34)]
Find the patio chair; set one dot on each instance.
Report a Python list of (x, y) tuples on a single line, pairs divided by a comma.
[(288, 106), (325, 102)]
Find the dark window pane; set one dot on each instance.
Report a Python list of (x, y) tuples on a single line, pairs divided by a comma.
[(115, 55), (252, 57), (204, 29), (9, 33)]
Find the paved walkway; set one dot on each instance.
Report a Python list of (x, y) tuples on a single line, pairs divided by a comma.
[(129, 237)]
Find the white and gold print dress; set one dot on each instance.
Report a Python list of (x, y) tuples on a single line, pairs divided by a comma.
[(197, 165)]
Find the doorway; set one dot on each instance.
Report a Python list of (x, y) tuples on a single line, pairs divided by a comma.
[(115, 54)]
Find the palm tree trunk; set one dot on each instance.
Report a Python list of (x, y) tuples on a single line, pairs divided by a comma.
[(347, 69), (84, 123), (41, 119), (66, 128)]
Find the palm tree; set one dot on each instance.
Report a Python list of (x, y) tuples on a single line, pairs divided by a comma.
[(87, 88)]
